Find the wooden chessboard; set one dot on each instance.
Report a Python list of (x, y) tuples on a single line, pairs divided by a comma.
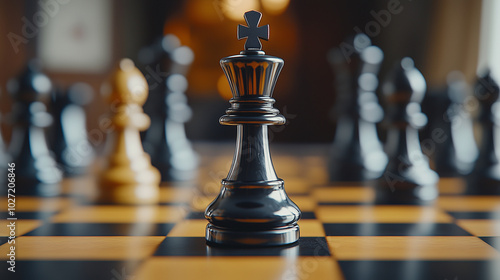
[(343, 236)]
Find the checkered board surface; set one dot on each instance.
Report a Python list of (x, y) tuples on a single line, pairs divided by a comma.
[(343, 235)]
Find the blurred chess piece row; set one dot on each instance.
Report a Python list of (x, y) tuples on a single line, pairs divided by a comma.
[(49, 130), (404, 175)]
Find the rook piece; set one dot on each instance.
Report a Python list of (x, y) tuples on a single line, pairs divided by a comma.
[(485, 178), (70, 143), (357, 154), (128, 177), (407, 177), (36, 169), (166, 141), (252, 208), (455, 156)]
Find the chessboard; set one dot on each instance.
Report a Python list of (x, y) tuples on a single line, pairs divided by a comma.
[(344, 235)]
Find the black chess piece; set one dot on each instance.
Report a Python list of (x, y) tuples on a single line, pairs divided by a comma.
[(166, 141), (36, 170), (452, 131), (69, 131), (407, 177), (357, 153), (252, 208), (485, 178), (5, 158)]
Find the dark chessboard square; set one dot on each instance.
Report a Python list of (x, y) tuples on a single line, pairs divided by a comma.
[(173, 204), (29, 215), (196, 246), (196, 216), (344, 203), (64, 270), (308, 215), (493, 241), (379, 229), (475, 215), (3, 240), (101, 229), (420, 270)]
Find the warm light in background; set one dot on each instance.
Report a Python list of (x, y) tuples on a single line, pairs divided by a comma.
[(275, 7), (234, 9), (223, 87)]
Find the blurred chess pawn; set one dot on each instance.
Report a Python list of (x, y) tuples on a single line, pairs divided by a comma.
[(357, 153), (69, 132), (456, 153), (166, 141), (129, 177), (485, 178), (407, 177), (36, 169)]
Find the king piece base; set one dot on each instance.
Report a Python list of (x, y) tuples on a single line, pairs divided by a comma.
[(281, 236)]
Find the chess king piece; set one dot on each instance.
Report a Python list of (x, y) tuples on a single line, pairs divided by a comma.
[(69, 132), (456, 153), (165, 141), (128, 177), (36, 170), (407, 177), (485, 178), (252, 208), (357, 154)]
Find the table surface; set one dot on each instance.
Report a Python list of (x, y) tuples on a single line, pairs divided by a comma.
[(343, 234)]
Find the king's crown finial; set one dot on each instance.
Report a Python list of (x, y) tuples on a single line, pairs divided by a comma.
[(253, 32)]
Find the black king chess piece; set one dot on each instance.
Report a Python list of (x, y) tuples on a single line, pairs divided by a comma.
[(485, 177), (407, 177), (357, 154), (252, 208), (36, 169)]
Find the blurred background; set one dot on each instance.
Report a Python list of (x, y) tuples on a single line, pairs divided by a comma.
[(81, 40)]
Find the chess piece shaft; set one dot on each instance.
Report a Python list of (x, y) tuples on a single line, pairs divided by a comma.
[(128, 177), (252, 208)]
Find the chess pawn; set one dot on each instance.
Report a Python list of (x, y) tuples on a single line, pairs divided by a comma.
[(456, 154), (69, 132), (36, 170), (166, 141), (485, 178), (407, 177), (252, 208), (357, 153), (128, 177)]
